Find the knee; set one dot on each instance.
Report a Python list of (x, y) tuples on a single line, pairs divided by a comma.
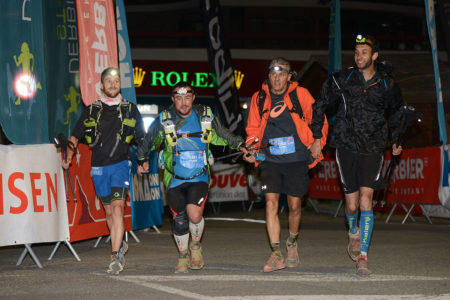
[(295, 207), (181, 224), (352, 207), (272, 205)]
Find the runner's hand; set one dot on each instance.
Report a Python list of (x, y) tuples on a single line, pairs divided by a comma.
[(315, 149), (143, 169), (396, 150)]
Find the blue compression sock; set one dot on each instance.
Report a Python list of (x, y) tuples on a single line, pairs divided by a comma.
[(366, 224), (352, 219)]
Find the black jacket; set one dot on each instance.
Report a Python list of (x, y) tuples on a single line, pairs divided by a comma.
[(360, 124)]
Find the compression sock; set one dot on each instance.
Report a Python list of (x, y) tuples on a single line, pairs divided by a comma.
[(292, 239), (276, 248), (196, 230), (366, 224), (182, 244), (352, 220)]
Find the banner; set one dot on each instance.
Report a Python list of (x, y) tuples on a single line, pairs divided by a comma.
[(335, 42), (61, 65), (444, 187), (23, 96), (414, 178), (97, 44), (32, 195), (147, 204), (86, 214), (228, 183), (125, 64), (220, 64), (443, 6), (431, 24)]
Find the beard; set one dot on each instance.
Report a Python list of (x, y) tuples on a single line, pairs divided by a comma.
[(366, 65), (111, 93)]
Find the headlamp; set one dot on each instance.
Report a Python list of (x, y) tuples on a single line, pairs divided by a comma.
[(182, 91), (362, 40), (278, 68), (111, 71)]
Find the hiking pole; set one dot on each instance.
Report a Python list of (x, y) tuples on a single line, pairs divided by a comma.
[(62, 142)]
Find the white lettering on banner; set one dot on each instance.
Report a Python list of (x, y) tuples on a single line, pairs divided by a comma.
[(24, 3), (68, 30), (228, 183), (146, 192), (100, 59), (410, 168), (125, 69), (19, 184), (328, 170)]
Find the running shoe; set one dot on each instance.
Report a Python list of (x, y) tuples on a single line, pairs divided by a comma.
[(274, 263), (196, 262), (354, 245), (115, 267), (123, 250), (292, 259), (183, 265), (362, 266)]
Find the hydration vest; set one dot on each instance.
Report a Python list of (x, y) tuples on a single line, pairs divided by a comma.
[(171, 138), (127, 130)]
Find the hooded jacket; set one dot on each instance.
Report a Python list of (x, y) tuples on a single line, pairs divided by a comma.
[(256, 124), (360, 124)]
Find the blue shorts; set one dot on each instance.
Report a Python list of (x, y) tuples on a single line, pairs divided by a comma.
[(107, 177)]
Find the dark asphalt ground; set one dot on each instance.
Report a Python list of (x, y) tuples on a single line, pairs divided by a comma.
[(409, 261)]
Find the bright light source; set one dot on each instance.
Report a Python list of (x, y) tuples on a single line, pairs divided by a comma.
[(245, 106), (25, 86), (147, 122)]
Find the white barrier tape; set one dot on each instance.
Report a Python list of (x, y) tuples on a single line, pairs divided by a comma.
[(235, 219)]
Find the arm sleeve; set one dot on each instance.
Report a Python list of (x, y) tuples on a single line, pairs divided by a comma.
[(150, 140), (253, 121), (227, 137), (328, 94)]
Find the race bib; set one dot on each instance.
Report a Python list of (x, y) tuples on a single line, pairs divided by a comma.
[(192, 159), (282, 145), (96, 171)]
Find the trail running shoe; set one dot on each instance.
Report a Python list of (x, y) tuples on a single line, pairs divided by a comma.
[(354, 245), (183, 265), (292, 259), (115, 267), (123, 250), (274, 263), (196, 262), (361, 266)]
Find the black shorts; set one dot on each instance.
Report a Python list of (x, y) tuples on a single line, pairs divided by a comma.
[(187, 193), (287, 178), (359, 170)]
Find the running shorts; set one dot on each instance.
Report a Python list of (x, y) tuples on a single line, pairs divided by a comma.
[(359, 170), (187, 193)]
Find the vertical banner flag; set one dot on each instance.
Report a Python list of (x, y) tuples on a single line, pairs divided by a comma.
[(147, 204), (335, 43), (220, 64), (61, 65), (429, 9), (23, 97), (444, 9), (97, 44), (125, 63), (444, 187)]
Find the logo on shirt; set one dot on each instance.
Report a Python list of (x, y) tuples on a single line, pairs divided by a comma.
[(278, 109)]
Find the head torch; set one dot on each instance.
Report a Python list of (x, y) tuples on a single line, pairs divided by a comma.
[(278, 68), (111, 71), (363, 40), (182, 91)]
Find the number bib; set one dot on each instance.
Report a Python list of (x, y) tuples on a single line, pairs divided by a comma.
[(192, 159), (282, 145)]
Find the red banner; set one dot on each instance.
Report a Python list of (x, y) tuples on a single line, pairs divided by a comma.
[(415, 179), (86, 215), (97, 38)]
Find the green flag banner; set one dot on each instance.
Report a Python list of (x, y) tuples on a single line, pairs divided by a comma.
[(61, 65), (23, 99)]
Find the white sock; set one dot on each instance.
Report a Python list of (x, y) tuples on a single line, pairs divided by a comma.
[(364, 254), (197, 230)]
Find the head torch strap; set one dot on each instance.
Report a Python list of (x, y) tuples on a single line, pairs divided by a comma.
[(182, 91), (278, 68)]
